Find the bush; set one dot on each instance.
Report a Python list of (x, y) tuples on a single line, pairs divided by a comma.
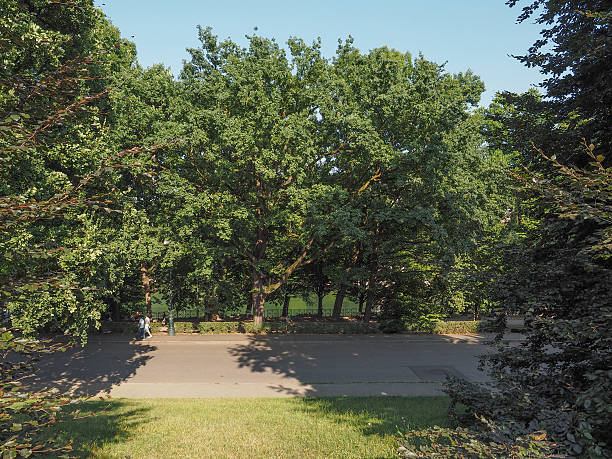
[(216, 328), (338, 328), (425, 322), (440, 327), (392, 326), (460, 327), (460, 442)]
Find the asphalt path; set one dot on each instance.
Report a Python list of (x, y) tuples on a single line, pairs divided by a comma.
[(186, 366)]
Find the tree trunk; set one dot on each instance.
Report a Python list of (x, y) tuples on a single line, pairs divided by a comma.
[(249, 306), (258, 297), (320, 295), (258, 293), (370, 298), (116, 314), (285, 312), (146, 284), (361, 300), (115, 311), (476, 315), (338, 303)]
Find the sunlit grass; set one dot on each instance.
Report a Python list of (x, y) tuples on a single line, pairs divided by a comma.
[(297, 305), (343, 427)]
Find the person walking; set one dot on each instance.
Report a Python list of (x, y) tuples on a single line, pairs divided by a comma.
[(141, 328), (147, 327)]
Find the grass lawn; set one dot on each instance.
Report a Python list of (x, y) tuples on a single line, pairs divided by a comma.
[(297, 305), (343, 427)]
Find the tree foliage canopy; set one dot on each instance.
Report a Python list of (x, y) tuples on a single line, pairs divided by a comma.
[(267, 171), (551, 394)]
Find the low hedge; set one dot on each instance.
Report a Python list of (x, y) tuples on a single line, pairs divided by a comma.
[(460, 327), (216, 328), (453, 327), (337, 328)]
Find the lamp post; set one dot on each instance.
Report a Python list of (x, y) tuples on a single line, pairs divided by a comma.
[(171, 317), (171, 331)]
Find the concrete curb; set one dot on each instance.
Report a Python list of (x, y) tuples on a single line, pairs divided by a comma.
[(303, 339)]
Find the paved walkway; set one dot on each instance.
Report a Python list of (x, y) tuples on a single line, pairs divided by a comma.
[(264, 366)]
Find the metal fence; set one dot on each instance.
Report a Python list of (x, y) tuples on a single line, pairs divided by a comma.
[(273, 312)]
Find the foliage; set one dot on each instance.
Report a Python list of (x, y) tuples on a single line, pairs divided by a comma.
[(347, 327), (425, 322), (564, 366), (430, 190), (370, 174), (368, 167), (24, 415), (58, 204), (58, 166), (574, 53), (434, 323), (556, 386), (493, 442), (391, 325), (214, 328), (460, 327)]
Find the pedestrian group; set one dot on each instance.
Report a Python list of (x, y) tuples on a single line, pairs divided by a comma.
[(144, 326)]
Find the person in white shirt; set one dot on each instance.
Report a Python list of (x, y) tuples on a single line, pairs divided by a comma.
[(141, 328), (147, 327)]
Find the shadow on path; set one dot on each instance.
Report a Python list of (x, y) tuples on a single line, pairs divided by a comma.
[(360, 366), (92, 369)]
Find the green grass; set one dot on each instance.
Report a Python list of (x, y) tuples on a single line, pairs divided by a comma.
[(297, 305), (341, 427)]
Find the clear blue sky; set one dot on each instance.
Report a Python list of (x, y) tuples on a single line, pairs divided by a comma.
[(466, 34)]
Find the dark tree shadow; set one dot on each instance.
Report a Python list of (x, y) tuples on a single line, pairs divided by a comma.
[(375, 368), (381, 416), (92, 369), (91, 424), (363, 365)]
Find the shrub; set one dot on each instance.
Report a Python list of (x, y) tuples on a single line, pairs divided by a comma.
[(441, 442), (392, 326), (425, 322), (215, 328), (351, 328), (460, 327)]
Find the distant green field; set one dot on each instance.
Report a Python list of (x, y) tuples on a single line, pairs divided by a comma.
[(297, 305)]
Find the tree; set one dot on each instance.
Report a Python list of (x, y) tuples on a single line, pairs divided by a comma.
[(254, 152), (57, 162), (413, 140), (551, 395), (56, 196), (294, 157), (574, 54), (141, 108)]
